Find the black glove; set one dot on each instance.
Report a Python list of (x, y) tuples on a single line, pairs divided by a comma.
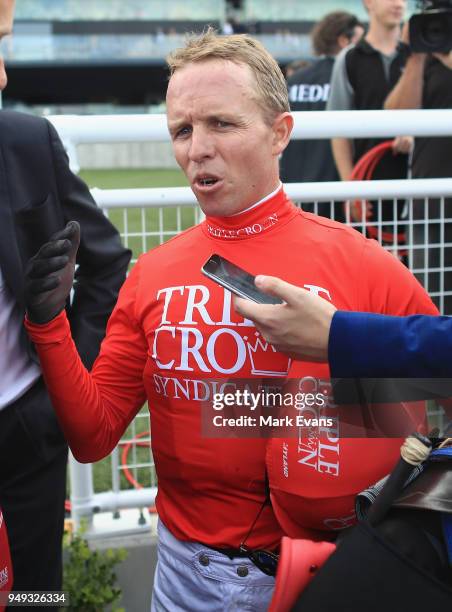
[(49, 275)]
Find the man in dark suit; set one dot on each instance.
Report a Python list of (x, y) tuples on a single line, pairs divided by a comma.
[(38, 195)]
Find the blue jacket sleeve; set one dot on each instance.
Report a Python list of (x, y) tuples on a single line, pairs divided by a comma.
[(370, 345)]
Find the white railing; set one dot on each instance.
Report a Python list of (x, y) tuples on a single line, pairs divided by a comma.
[(310, 125), (298, 192), (78, 130)]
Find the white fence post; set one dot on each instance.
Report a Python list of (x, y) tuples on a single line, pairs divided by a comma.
[(82, 492)]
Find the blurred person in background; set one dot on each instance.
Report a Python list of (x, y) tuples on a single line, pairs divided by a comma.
[(295, 66), (38, 194), (311, 160), (174, 340), (427, 83), (363, 75)]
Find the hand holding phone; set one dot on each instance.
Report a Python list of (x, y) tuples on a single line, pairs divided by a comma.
[(231, 277)]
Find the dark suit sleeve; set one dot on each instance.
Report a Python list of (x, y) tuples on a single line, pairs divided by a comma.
[(369, 345), (102, 260)]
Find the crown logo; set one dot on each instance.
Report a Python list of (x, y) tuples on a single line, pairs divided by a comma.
[(265, 359)]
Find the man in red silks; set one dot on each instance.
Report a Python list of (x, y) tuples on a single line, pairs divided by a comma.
[(174, 337)]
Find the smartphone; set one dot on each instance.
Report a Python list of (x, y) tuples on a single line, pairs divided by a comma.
[(231, 277)]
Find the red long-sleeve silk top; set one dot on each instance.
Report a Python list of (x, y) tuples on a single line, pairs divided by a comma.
[(173, 330)]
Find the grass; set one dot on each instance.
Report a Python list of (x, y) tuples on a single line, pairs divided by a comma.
[(141, 230), (120, 178)]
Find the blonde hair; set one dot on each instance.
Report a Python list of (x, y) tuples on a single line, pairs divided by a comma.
[(271, 88)]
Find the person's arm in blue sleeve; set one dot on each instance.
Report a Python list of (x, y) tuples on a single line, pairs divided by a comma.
[(369, 345)]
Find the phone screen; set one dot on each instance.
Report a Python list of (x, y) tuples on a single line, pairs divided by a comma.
[(235, 279)]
